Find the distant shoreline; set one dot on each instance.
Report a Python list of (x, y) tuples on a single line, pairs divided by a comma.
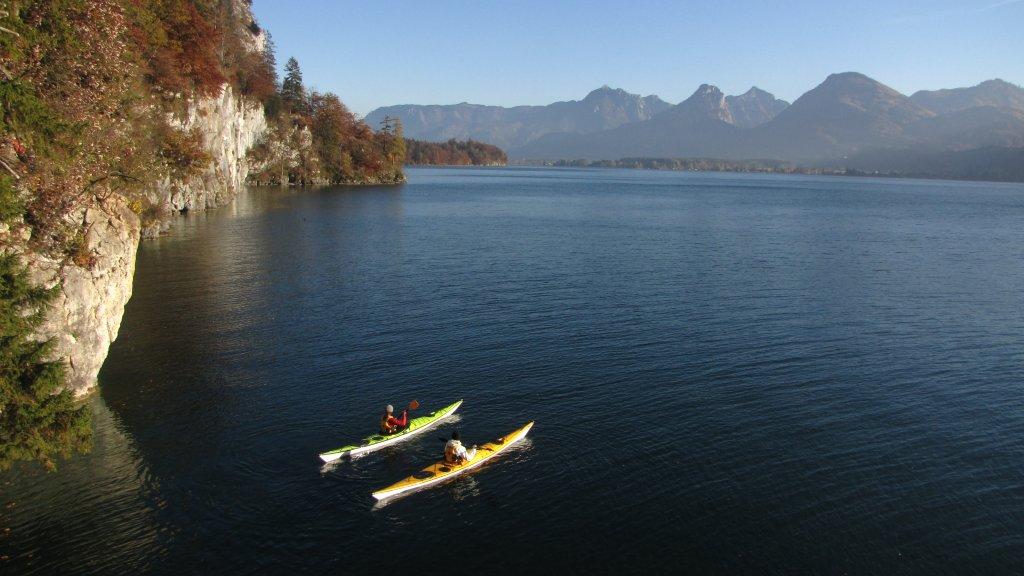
[(955, 171), (502, 165), (835, 173), (781, 169)]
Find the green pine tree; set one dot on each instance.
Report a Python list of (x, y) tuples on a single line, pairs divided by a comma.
[(39, 420), (292, 90)]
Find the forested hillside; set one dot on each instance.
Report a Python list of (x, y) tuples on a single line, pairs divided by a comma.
[(453, 153)]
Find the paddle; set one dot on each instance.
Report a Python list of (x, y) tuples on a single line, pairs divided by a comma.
[(414, 405)]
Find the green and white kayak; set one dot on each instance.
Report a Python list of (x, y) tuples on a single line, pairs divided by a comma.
[(378, 441)]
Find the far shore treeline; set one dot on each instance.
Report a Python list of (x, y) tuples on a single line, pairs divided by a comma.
[(453, 153), (993, 164)]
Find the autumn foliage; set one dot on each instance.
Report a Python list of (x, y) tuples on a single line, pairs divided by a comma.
[(88, 91), (178, 43), (90, 87), (315, 139), (454, 153), (197, 46)]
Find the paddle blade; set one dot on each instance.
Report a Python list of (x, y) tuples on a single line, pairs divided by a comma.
[(414, 405)]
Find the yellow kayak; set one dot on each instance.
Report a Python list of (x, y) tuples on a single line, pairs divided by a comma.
[(442, 471)]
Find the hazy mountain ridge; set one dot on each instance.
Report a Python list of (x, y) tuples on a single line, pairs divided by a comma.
[(846, 114), (993, 93), (602, 109), (981, 127), (700, 125)]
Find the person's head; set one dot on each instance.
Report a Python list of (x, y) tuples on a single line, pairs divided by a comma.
[(455, 435), (390, 409)]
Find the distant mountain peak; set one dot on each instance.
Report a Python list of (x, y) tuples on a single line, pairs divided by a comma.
[(707, 102), (847, 112), (855, 91), (847, 77), (755, 91), (708, 94), (708, 89), (606, 90), (997, 83), (754, 107)]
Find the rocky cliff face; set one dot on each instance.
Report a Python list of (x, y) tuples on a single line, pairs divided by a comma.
[(87, 313), (229, 126)]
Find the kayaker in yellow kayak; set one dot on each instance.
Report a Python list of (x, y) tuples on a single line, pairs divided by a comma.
[(455, 452), (389, 424)]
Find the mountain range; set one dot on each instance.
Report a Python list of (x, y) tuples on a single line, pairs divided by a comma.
[(510, 128), (849, 113)]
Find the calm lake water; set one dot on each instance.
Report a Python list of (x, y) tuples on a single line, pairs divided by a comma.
[(729, 374)]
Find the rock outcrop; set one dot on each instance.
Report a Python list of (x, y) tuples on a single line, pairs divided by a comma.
[(94, 270), (87, 312), (229, 127)]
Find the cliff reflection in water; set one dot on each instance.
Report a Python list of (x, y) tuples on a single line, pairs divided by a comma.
[(93, 515)]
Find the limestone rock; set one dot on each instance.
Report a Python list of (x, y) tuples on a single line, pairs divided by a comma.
[(86, 314)]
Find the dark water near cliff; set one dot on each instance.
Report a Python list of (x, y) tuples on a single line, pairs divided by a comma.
[(729, 374)]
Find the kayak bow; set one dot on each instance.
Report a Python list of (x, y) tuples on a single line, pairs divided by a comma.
[(442, 470), (378, 441)]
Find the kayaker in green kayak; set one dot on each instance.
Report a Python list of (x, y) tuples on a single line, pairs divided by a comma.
[(389, 424), (455, 452)]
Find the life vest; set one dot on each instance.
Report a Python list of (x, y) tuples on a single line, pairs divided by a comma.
[(385, 428)]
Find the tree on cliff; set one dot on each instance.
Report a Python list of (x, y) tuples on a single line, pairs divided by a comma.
[(38, 420), (314, 139), (392, 141), (293, 92), (333, 125)]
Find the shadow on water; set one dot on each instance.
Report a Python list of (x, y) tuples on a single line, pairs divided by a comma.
[(92, 516)]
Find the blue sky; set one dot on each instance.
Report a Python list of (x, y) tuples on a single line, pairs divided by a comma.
[(378, 52)]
